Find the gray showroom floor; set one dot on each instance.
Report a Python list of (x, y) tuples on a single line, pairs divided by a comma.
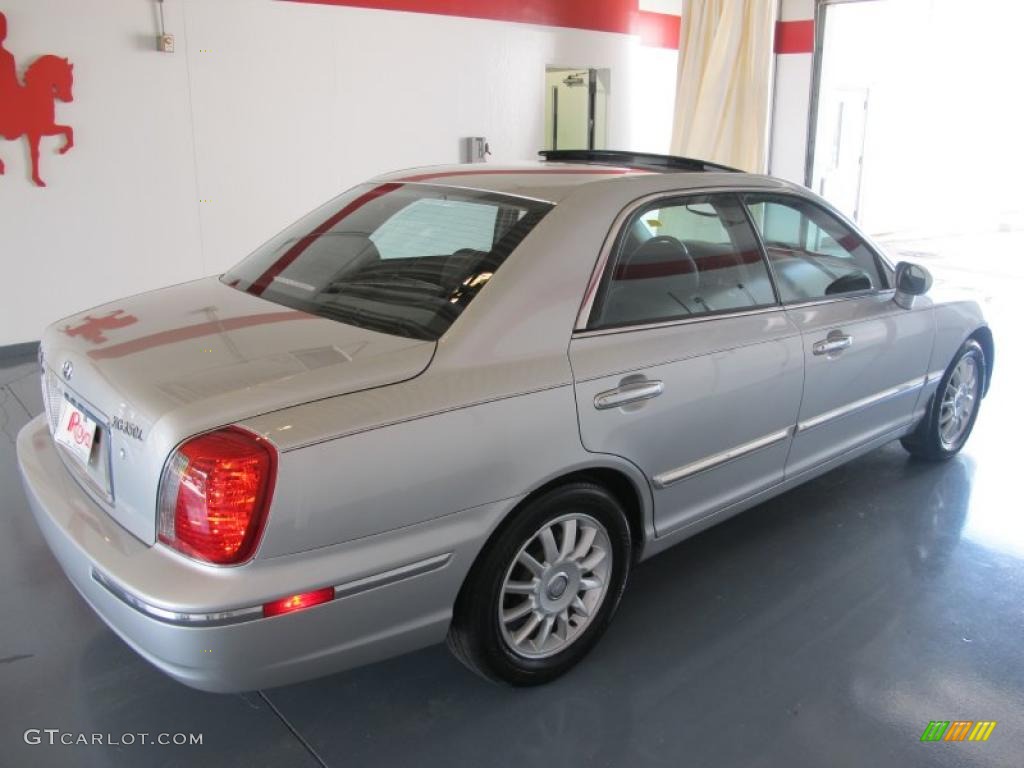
[(824, 628)]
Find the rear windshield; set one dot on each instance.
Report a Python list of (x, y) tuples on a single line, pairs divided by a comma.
[(403, 259)]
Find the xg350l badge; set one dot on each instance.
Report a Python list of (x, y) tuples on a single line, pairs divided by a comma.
[(130, 429)]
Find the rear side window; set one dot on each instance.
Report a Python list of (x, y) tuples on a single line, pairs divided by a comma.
[(813, 254), (403, 259), (683, 257)]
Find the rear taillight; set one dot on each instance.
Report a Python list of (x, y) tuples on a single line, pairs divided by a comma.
[(214, 495)]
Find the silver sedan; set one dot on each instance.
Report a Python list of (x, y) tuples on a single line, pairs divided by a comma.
[(462, 402)]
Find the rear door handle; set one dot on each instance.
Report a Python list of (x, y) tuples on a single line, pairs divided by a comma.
[(624, 394), (836, 341)]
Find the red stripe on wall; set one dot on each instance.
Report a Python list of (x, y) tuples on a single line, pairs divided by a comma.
[(656, 29), (794, 36)]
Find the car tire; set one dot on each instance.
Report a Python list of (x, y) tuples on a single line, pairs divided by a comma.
[(545, 588), (946, 426)]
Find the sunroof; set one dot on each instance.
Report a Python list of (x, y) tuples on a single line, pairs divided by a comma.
[(633, 160)]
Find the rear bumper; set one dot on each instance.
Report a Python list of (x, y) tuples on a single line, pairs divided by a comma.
[(395, 591)]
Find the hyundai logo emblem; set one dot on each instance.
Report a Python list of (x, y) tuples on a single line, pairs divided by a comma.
[(67, 369)]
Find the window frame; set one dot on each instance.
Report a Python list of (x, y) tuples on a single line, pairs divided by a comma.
[(598, 288), (606, 258), (885, 270)]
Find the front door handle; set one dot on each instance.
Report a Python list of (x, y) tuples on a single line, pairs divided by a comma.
[(836, 341), (626, 393)]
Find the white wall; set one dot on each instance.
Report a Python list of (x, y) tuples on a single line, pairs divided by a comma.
[(791, 101), (121, 211), (184, 162), (652, 99), (674, 7)]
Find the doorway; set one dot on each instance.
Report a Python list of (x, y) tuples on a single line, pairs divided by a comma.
[(915, 128), (839, 150), (575, 108)]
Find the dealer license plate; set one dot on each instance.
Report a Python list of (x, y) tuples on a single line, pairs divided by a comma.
[(76, 432)]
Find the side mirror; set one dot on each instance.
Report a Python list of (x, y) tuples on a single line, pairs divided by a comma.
[(912, 280)]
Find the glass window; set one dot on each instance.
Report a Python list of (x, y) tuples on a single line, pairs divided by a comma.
[(683, 258), (395, 258), (436, 226), (813, 254)]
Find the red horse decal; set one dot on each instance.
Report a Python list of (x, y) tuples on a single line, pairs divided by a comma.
[(28, 110)]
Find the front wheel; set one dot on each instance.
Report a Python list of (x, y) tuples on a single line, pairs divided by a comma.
[(544, 590), (954, 408)]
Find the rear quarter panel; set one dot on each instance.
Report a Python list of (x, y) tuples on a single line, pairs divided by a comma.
[(413, 471)]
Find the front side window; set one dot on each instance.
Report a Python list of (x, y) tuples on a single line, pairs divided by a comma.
[(397, 258), (683, 257), (813, 254)]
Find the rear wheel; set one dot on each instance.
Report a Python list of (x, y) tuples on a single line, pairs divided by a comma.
[(954, 408), (545, 588)]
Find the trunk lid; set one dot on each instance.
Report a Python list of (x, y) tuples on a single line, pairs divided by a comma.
[(156, 368)]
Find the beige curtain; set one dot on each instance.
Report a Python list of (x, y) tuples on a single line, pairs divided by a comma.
[(723, 88)]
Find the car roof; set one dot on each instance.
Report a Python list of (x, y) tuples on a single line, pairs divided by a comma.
[(551, 181)]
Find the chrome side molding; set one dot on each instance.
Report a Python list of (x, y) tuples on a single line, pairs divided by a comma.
[(400, 573), (666, 479), (252, 612), (864, 402), (217, 618)]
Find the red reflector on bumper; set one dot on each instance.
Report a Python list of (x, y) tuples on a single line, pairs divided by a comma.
[(298, 602)]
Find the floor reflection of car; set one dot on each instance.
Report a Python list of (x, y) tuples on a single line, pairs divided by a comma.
[(462, 402)]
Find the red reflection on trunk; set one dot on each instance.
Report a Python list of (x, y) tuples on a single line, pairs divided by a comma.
[(92, 328), (175, 335)]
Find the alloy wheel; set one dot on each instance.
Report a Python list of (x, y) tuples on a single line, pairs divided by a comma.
[(958, 402), (555, 586)]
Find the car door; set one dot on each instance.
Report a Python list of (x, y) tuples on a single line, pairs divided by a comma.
[(685, 363), (865, 357)]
